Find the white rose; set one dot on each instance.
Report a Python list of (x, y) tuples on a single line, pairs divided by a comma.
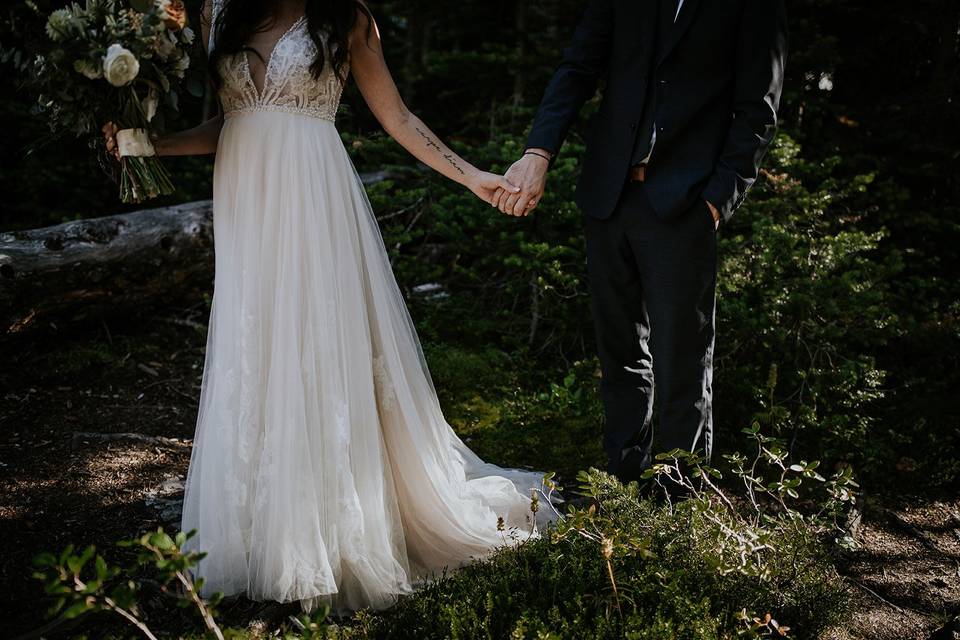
[(120, 66)]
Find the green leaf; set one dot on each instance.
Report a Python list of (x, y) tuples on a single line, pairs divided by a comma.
[(101, 567), (45, 559), (76, 609)]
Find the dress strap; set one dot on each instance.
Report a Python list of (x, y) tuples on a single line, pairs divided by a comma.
[(215, 8)]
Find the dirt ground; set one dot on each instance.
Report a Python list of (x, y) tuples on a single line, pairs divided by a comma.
[(61, 482)]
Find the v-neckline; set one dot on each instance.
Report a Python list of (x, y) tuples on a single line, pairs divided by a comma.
[(266, 66)]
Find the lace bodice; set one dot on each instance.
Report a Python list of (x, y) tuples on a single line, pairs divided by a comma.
[(288, 83)]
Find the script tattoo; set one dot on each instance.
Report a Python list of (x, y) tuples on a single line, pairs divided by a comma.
[(434, 145)]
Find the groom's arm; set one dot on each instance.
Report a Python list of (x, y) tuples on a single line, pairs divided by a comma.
[(573, 83), (575, 79), (760, 57)]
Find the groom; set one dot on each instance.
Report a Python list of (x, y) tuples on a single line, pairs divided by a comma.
[(688, 110)]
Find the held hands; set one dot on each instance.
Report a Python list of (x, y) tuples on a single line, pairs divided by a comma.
[(529, 173), (487, 185)]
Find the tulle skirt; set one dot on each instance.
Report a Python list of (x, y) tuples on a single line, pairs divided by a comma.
[(322, 469)]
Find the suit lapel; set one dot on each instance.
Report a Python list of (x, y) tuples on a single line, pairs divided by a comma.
[(674, 35)]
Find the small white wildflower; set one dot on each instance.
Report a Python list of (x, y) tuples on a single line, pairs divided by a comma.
[(58, 24)]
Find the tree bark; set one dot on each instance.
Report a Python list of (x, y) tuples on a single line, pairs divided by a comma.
[(520, 75)]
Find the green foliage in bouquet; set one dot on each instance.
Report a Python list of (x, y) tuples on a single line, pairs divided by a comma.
[(118, 62)]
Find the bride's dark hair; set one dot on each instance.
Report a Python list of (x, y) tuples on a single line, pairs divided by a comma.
[(334, 19)]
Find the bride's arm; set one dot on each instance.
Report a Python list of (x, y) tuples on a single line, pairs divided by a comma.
[(203, 138), (199, 140), (380, 93)]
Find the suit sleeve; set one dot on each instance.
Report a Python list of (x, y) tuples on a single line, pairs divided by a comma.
[(760, 57), (575, 79)]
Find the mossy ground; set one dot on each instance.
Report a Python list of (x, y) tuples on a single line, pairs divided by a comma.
[(142, 374)]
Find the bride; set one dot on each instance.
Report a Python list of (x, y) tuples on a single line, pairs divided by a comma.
[(322, 469)]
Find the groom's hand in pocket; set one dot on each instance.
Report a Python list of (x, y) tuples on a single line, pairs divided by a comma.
[(714, 213), (530, 174)]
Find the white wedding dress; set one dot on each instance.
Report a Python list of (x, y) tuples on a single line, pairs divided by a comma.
[(322, 469)]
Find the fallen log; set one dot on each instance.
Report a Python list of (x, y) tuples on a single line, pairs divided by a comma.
[(81, 268), (68, 270)]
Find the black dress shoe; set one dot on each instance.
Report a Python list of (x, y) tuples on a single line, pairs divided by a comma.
[(633, 465)]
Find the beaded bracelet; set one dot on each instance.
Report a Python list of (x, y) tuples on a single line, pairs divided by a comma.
[(534, 153)]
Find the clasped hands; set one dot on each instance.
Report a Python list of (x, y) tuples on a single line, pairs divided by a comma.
[(528, 175)]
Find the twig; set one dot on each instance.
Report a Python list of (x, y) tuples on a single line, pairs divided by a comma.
[(132, 619), (877, 595), (400, 212), (185, 322), (908, 528), (80, 436), (534, 310)]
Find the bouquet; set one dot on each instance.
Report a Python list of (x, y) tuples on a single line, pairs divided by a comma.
[(117, 61)]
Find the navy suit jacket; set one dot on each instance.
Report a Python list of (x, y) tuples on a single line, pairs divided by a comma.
[(719, 76)]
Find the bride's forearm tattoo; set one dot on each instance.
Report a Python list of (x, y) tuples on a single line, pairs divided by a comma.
[(447, 156)]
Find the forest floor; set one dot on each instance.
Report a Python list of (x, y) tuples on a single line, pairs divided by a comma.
[(61, 483)]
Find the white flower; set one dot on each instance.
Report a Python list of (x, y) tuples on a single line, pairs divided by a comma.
[(87, 68), (120, 66), (187, 35), (58, 23), (182, 64)]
